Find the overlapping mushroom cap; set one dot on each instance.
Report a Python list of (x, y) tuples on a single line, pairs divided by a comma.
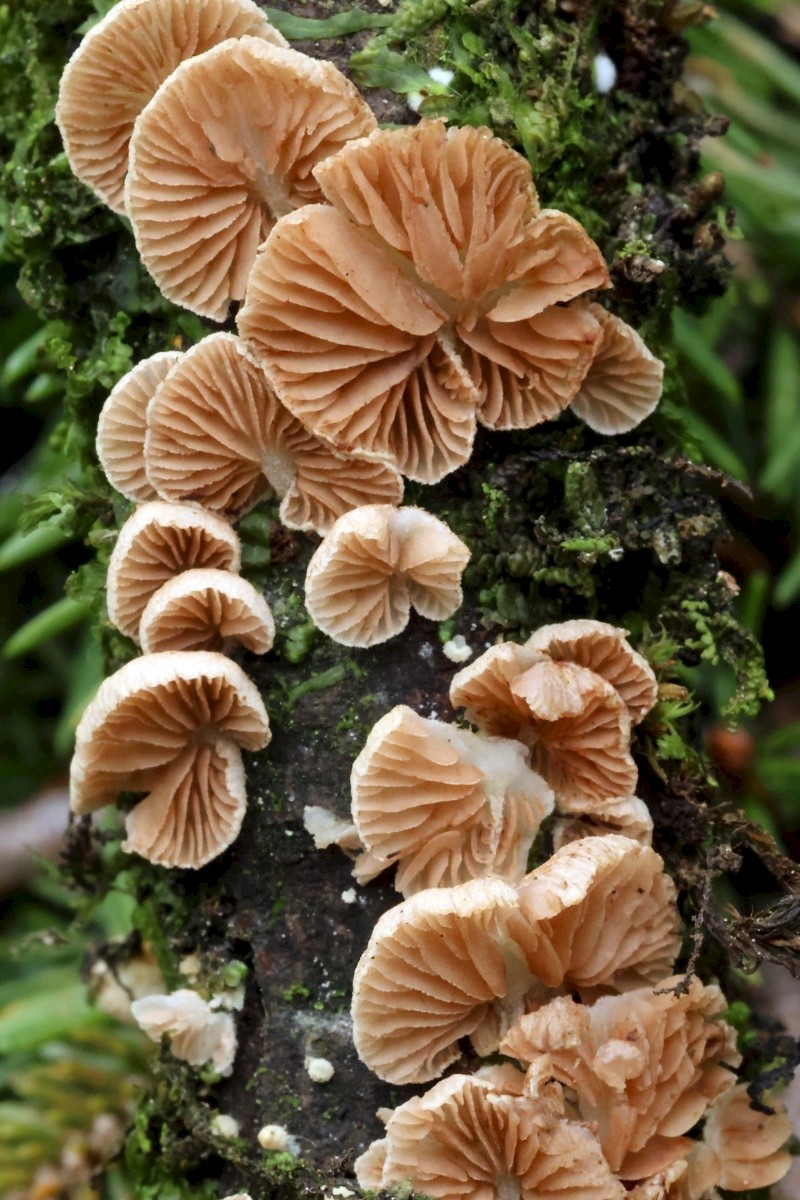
[(120, 65), (171, 725), (122, 426), (225, 147), (645, 1066), (427, 298), (438, 967), (749, 1146), (206, 610), (627, 815), (217, 434), (156, 543), (375, 565), (623, 384), (445, 804), (197, 1033), (470, 1139), (600, 913)]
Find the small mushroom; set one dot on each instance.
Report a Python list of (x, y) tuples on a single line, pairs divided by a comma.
[(445, 804), (627, 815), (375, 565), (206, 610), (623, 384), (749, 1146), (601, 912), (437, 968), (217, 434), (426, 299), (122, 425), (574, 721), (225, 147), (197, 1033), (645, 1066), (468, 1138), (171, 726), (119, 66), (155, 544)]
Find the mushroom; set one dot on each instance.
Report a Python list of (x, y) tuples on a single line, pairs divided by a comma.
[(429, 297), (156, 543), (375, 565), (445, 804), (197, 1033), (600, 913), (627, 815), (644, 1066), (469, 1139), (119, 66), (217, 434), (171, 725), (574, 721), (437, 968), (225, 147), (206, 610), (749, 1146), (623, 384), (121, 428)]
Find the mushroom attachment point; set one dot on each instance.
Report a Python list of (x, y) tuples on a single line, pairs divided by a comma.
[(122, 426), (171, 726), (375, 565), (119, 66), (429, 297), (444, 804), (217, 434), (206, 610), (225, 147), (471, 1138), (623, 384), (155, 544)]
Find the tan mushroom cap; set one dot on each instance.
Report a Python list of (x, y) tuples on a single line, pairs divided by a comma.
[(197, 1033), (438, 967), (469, 1139), (601, 912), (645, 1066), (206, 610), (604, 649), (122, 426), (120, 65), (627, 815), (156, 543), (428, 298), (445, 804), (217, 434), (750, 1146), (225, 147), (623, 385), (375, 565), (573, 720), (171, 725)]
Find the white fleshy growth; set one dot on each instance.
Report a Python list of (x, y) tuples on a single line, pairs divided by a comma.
[(329, 830), (457, 649), (442, 75), (197, 1033), (605, 73), (320, 1070)]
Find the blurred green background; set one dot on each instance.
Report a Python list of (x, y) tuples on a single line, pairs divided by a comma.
[(742, 365)]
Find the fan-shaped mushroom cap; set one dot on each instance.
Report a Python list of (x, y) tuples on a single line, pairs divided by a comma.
[(156, 543), (445, 804), (197, 1033), (599, 913), (428, 298), (749, 1145), (438, 967), (574, 721), (225, 147), (171, 725), (206, 610), (119, 66), (690, 1178), (122, 426), (603, 649), (375, 565), (645, 1066), (217, 434), (623, 384), (467, 1139), (627, 815)]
